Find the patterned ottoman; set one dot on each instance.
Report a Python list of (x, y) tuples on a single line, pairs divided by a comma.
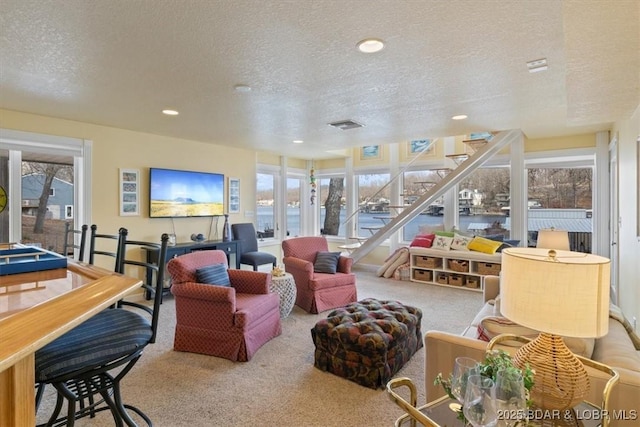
[(367, 341)]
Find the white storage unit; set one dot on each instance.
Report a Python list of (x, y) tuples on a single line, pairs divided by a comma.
[(460, 269)]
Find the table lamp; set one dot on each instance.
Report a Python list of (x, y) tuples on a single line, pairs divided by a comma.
[(559, 293), (553, 239)]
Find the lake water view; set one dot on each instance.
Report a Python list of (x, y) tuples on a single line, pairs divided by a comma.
[(265, 220)]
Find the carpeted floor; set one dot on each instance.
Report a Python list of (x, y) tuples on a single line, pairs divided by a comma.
[(279, 386)]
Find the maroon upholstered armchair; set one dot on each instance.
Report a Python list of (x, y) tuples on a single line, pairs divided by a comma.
[(317, 292), (224, 321)]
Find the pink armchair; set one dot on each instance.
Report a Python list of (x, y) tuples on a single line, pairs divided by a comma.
[(317, 292), (231, 322)]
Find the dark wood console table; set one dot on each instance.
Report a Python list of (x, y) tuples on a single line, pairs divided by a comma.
[(230, 248)]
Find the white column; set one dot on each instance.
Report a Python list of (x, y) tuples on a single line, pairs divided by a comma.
[(519, 196)]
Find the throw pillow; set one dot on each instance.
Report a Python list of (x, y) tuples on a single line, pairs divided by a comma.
[(423, 240), (493, 326), (442, 242), (481, 244), (444, 233), (326, 262), (215, 274), (460, 242)]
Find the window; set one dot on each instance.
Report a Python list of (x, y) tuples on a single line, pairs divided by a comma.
[(561, 198), (483, 202), (265, 208), (331, 196), (373, 203), (415, 183), (293, 206)]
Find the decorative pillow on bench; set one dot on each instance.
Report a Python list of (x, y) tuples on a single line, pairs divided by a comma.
[(493, 326)]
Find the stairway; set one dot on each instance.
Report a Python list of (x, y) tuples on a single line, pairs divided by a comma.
[(464, 168)]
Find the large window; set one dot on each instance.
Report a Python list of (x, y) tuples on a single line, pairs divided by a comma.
[(483, 202), (415, 184), (561, 198), (47, 203), (293, 206), (373, 203), (47, 180), (265, 207), (332, 201)]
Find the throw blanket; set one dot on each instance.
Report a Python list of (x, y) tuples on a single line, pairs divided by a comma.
[(616, 313)]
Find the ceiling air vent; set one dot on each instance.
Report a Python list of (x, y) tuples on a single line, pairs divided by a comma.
[(346, 124)]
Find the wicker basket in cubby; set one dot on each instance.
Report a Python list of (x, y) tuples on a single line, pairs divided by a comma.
[(427, 261), (424, 275), (459, 265), (472, 282), (488, 268), (442, 278), (456, 279)]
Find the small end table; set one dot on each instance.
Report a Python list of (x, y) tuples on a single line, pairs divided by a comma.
[(285, 286)]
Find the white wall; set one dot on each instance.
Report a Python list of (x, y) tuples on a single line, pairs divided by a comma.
[(628, 133)]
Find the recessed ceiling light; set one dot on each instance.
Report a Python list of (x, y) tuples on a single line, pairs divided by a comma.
[(298, 141), (459, 117), (242, 88), (370, 45), (170, 112)]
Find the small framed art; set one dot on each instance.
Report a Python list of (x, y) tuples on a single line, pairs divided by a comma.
[(234, 195), (129, 192), (370, 152), (422, 147)]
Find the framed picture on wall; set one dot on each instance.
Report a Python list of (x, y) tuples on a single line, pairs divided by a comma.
[(370, 152), (422, 147), (129, 192), (234, 195)]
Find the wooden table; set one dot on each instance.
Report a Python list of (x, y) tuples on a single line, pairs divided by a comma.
[(35, 309)]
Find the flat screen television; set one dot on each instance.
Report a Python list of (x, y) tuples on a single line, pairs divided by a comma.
[(179, 193)]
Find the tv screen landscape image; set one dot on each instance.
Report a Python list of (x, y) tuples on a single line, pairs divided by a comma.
[(177, 193)]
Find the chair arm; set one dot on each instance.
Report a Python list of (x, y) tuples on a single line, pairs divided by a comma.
[(250, 282), (201, 291), (299, 265), (491, 287), (344, 264)]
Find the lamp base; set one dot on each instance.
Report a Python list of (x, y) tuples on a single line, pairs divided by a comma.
[(560, 380)]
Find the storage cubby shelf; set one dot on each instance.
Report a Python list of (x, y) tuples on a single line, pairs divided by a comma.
[(457, 269)]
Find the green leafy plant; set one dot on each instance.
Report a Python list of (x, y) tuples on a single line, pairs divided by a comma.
[(494, 361)]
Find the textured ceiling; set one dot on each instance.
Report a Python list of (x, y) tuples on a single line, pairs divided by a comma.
[(120, 62)]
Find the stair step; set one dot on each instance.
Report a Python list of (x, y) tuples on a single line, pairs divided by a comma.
[(474, 144), (458, 158)]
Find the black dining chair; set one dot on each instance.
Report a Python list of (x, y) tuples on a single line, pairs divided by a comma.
[(74, 240), (95, 356), (248, 252), (106, 245)]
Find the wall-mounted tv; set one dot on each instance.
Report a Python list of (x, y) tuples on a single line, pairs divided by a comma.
[(179, 193)]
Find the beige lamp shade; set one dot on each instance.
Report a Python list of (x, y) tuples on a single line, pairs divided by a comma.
[(559, 293), (553, 239), (566, 294)]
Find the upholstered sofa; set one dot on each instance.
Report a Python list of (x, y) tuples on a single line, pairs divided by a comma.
[(618, 349)]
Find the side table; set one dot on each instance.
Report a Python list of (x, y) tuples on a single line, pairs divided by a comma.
[(285, 286)]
